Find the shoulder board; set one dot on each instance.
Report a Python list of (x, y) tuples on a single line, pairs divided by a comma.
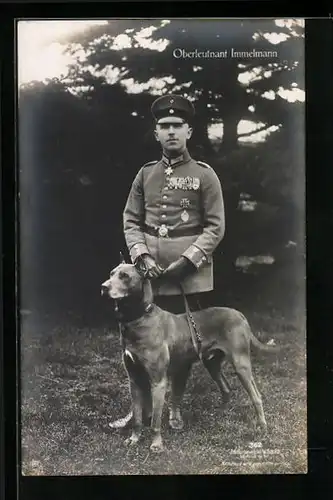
[(150, 163), (203, 164)]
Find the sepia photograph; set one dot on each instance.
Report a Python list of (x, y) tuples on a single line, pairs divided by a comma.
[(162, 271)]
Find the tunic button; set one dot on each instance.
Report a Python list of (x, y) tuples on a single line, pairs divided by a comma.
[(164, 206), (163, 216), (165, 197)]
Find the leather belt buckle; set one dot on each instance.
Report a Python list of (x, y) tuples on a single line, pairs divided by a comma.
[(163, 231)]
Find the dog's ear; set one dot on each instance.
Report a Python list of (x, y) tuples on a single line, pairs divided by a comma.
[(121, 258)]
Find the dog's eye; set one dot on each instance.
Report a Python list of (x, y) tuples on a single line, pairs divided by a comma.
[(123, 275)]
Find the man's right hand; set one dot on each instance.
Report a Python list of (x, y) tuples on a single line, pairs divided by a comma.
[(147, 266)]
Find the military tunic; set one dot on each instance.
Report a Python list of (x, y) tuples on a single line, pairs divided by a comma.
[(175, 207)]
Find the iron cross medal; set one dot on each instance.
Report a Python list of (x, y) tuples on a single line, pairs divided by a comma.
[(169, 170)]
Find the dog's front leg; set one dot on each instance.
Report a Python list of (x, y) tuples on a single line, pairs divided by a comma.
[(137, 414), (178, 384), (158, 390)]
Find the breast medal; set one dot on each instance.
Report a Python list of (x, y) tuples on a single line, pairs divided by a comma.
[(195, 183), (184, 216), (184, 183)]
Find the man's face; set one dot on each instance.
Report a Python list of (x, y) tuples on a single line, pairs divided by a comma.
[(173, 133)]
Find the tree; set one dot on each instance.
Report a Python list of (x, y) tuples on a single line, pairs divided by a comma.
[(85, 136), (214, 83)]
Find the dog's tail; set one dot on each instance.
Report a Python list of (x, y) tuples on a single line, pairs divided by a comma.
[(269, 347)]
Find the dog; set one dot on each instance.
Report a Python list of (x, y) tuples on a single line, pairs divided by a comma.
[(158, 350)]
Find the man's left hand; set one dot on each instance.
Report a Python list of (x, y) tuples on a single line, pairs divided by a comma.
[(179, 269)]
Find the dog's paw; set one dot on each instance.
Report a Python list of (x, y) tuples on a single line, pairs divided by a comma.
[(132, 440), (157, 446), (261, 429), (176, 424)]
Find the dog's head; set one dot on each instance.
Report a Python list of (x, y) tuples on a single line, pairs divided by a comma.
[(126, 281)]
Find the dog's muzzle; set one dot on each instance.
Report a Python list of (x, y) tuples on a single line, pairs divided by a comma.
[(105, 287)]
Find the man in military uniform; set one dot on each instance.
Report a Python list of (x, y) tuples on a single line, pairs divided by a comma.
[(174, 215)]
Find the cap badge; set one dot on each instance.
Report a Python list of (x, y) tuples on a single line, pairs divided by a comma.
[(171, 111), (172, 101)]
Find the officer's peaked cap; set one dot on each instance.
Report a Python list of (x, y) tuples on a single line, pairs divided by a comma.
[(172, 105)]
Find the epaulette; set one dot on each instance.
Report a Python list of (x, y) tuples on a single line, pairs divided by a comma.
[(149, 163), (203, 164)]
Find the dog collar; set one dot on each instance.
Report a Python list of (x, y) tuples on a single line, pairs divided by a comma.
[(126, 316)]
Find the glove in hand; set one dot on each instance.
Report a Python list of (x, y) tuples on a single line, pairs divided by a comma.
[(147, 266), (179, 269)]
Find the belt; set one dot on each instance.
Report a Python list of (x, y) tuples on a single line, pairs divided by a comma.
[(165, 232)]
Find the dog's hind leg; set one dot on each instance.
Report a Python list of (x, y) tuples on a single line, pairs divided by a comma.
[(178, 384), (242, 365), (213, 365)]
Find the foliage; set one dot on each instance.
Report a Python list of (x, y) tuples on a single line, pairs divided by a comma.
[(83, 138), (214, 83)]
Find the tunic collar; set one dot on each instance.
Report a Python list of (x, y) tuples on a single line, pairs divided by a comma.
[(173, 162)]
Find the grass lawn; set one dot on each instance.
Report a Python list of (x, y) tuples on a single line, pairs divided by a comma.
[(73, 384)]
